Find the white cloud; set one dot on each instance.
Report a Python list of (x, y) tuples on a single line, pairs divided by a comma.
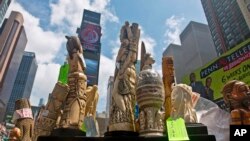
[(174, 25), (107, 65), (44, 43), (68, 14), (149, 42), (107, 68), (46, 78)]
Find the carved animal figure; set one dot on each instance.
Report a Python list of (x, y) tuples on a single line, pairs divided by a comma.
[(236, 95)]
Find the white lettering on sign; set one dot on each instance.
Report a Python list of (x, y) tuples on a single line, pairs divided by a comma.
[(239, 132)]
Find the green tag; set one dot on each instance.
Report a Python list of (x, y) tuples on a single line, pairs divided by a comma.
[(176, 130), (83, 128), (63, 74)]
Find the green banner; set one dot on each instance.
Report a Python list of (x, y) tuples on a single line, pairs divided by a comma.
[(233, 65), (63, 74)]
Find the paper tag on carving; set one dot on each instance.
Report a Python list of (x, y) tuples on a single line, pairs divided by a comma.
[(195, 97), (176, 130), (22, 113), (45, 113)]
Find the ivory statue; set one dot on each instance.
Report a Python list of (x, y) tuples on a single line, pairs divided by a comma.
[(150, 97), (91, 102), (75, 103), (23, 119), (48, 116), (182, 106), (236, 95), (123, 92), (168, 80)]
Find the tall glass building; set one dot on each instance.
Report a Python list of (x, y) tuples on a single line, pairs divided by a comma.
[(4, 4), (227, 23), (13, 41), (90, 36), (23, 82)]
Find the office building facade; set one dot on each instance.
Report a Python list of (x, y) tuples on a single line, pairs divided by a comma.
[(90, 37), (196, 49), (109, 95), (227, 23), (24, 81), (4, 4), (13, 41)]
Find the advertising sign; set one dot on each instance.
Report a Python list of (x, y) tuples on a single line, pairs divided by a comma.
[(91, 71), (90, 36), (233, 65)]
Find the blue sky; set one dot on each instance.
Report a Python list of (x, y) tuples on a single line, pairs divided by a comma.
[(47, 21)]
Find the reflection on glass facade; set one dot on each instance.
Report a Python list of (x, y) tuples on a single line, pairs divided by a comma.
[(226, 22), (4, 4), (23, 82)]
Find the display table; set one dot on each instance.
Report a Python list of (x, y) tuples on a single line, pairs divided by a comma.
[(196, 132)]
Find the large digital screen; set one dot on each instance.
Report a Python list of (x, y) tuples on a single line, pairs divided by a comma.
[(90, 35), (233, 65), (91, 71)]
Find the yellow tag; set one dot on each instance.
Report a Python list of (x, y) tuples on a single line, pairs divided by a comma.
[(176, 130)]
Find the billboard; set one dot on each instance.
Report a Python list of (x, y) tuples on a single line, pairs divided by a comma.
[(233, 65), (91, 71), (90, 36)]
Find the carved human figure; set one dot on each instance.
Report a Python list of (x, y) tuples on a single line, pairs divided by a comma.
[(142, 121), (150, 119), (236, 95), (74, 108), (159, 120), (182, 106), (23, 119), (47, 118), (168, 80), (123, 93)]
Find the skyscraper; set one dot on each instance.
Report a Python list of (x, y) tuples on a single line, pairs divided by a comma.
[(227, 23), (196, 49), (90, 36), (4, 4), (24, 81), (41, 102), (245, 9), (109, 94), (13, 40)]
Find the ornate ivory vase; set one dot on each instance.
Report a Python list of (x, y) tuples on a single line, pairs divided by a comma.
[(150, 97)]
